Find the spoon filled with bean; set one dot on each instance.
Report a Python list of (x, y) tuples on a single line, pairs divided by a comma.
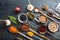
[(13, 29), (31, 34), (25, 27), (30, 7), (50, 13), (46, 15), (31, 16)]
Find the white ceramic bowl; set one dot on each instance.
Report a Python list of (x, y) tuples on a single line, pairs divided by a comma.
[(51, 27)]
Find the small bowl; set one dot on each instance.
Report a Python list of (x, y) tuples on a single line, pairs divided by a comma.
[(55, 30), (20, 19), (41, 19), (45, 29), (26, 27)]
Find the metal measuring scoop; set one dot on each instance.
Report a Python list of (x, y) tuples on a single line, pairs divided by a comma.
[(30, 7), (31, 16)]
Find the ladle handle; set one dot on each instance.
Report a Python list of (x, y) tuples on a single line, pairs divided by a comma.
[(39, 34), (25, 36), (29, 2), (53, 35)]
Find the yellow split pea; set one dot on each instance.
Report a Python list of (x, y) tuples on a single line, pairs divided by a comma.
[(30, 34)]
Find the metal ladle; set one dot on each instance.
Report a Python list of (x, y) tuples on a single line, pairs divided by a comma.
[(30, 7), (33, 17)]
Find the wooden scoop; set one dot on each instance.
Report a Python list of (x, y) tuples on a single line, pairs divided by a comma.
[(12, 29), (53, 15), (40, 12), (45, 7), (31, 34), (39, 34), (27, 28)]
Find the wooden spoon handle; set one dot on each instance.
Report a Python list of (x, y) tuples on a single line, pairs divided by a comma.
[(53, 35), (48, 16), (56, 17), (39, 34), (25, 36), (38, 37)]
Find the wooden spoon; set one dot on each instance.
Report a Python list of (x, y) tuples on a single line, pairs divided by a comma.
[(53, 15), (40, 12), (45, 7), (28, 28), (39, 34), (31, 34), (12, 29)]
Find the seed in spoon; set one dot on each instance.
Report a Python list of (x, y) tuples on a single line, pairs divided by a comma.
[(30, 7), (45, 7), (30, 34), (12, 29), (24, 27), (30, 15), (36, 9)]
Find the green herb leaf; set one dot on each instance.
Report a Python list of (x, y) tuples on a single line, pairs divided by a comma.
[(13, 19)]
